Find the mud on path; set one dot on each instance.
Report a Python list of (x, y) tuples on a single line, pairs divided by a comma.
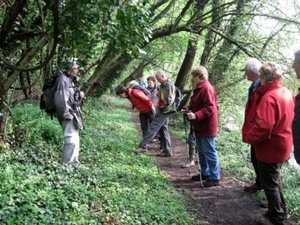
[(227, 204)]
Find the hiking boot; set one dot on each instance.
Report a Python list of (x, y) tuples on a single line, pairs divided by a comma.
[(264, 221), (287, 216), (197, 177), (139, 150), (211, 183), (188, 164), (164, 154), (252, 188)]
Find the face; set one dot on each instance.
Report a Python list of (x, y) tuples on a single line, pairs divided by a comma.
[(195, 80), (74, 71), (151, 84), (250, 75), (296, 66), (123, 95), (160, 78)]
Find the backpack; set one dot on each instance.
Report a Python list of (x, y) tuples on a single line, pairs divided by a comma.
[(145, 90), (178, 96), (47, 97)]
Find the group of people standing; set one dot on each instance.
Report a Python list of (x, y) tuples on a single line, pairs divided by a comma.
[(272, 128), (271, 125), (201, 112)]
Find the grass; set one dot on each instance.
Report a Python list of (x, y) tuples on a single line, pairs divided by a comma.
[(114, 186)]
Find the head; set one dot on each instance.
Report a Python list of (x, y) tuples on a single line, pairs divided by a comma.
[(199, 74), (251, 69), (140, 80), (122, 91), (72, 68), (269, 72), (161, 76), (296, 63), (151, 82)]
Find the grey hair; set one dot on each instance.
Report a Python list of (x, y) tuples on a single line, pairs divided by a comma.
[(253, 64), (270, 71)]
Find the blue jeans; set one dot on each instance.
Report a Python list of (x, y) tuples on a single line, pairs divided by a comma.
[(208, 156)]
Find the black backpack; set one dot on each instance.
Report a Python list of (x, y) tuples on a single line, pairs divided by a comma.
[(47, 97)]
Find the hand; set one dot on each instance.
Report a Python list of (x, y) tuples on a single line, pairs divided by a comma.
[(81, 94), (191, 116)]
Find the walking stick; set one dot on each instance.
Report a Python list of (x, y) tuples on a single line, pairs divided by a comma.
[(199, 167), (187, 142)]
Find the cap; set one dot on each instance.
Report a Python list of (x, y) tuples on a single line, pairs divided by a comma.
[(72, 63)]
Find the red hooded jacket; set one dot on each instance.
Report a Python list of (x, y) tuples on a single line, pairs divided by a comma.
[(268, 124), (205, 106), (139, 100)]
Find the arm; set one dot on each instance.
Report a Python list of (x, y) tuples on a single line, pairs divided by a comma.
[(61, 98), (263, 123)]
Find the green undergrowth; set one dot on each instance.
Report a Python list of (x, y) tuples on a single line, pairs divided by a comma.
[(235, 159), (113, 185)]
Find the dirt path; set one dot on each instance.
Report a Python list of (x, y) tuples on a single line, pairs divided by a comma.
[(226, 204)]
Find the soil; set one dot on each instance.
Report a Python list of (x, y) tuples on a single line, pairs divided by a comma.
[(227, 204)]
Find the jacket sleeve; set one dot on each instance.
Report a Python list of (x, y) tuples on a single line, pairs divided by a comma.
[(209, 105), (262, 124), (61, 98), (168, 98)]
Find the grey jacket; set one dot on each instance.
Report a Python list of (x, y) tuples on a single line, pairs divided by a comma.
[(67, 100), (167, 95)]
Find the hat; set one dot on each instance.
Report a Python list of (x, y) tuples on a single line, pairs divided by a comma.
[(132, 83), (72, 63)]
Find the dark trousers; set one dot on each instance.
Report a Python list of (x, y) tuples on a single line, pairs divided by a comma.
[(254, 163), (270, 179), (145, 121)]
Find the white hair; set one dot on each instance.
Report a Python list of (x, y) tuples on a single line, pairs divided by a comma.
[(253, 65)]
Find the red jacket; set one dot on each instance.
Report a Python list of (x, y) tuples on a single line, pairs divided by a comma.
[(139, 100), (204, 105), (268, 124)]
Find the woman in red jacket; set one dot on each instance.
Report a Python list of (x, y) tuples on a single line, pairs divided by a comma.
[(141, 102), (268, 127), (204, 119)]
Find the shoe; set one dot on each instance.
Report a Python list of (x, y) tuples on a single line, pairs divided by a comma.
[(139, 150), (188, 164), (155, 140), (287, 216), (264, 204), (164, 154), (252, 188), (264, 221), (197, 177), (211, 183)]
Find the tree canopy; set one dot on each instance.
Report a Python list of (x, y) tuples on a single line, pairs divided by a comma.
[(118, 40)]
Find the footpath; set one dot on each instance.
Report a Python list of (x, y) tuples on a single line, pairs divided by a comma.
[(227, 204)]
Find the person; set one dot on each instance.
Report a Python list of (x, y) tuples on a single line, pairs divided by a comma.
[(296, 120), (142, 83), (268, 127), (251, 69), (153, 89), (141, 102), (67, 101), (204, 119), (191, 139), (166, 106)]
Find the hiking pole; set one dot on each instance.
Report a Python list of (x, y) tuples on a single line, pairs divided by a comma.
[(199, 167), (187, 142)]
